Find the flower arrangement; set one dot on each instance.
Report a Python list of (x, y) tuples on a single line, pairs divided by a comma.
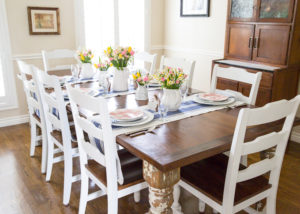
[(141, 80), (85, 56), (102, 66), (120, 56), (171, 78)]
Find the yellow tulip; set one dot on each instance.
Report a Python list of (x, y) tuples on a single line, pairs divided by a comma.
[(111, 64), (134, 77), (138, 74), (82, 57), (120, 56), (96, 66), (92, 56), (129, 49)]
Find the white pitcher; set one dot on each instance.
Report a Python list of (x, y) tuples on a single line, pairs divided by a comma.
[(171, 99), (87, 70), (120, 80)]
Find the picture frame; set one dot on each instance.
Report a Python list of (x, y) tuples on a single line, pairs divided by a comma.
[(194, 8), (43, 20)]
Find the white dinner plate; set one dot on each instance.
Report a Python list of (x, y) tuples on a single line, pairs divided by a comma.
[(126, 115), (229, 101), (148, 117)]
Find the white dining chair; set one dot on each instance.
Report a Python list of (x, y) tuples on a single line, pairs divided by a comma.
[(57, 55), (188, 66), (142, 57), (61, 136), (240, 75), (36, 113), (116, 172), (227, 185)]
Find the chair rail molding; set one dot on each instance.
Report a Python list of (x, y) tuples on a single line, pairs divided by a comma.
[(28, 56), (14, 120), (194, 51)]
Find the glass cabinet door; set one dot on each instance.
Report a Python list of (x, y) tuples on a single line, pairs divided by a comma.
[(242, 10), (275, 10)]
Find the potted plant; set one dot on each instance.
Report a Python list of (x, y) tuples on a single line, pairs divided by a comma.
[(119, 58), (171, 79), (142, 82), (85, 57)]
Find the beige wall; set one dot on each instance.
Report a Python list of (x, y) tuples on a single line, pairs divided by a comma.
[(200, 38), (24, 44)]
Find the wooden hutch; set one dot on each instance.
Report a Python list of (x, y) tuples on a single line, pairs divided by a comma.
[(264, 36)]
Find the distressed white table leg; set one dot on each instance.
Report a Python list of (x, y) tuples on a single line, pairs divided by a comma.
[(215, 211), (160, 188), (176, 207), (201, 206)]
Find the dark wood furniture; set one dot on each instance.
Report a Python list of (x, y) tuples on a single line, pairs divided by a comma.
[(263, 36)]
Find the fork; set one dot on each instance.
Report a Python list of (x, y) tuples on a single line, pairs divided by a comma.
[(134, 134)]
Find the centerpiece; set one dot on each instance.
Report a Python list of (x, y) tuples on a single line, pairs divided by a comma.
[(85, 57), (142, 82), (119, 58), (171, 80), (102, 68)]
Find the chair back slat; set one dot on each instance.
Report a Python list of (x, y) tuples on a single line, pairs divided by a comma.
[(262, 115), (93, 153), (56, 54), (33, 102), (187, 66), (248, 118), (264, 142), (146, 57), (240, 75), (51, 102), (53, 120), (90, 128), (256, 169)]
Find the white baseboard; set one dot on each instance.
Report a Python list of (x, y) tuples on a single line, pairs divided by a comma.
[(15, 120), (295, 136)]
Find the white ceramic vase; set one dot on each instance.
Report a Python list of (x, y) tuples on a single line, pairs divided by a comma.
[(141, 93), (171, 99), (87, 70), (120, 80)]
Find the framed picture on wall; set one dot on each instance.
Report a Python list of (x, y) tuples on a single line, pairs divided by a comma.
[(43, 21), (192, 8)]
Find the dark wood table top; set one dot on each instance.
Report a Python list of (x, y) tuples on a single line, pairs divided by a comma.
[(179, 143)]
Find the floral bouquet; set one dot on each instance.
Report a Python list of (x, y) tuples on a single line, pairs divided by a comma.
[(102, 66), (119, 57), (171, 78), (141, 80), (85, 56)]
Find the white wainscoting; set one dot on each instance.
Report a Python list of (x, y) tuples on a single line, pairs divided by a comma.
[(15, 120)]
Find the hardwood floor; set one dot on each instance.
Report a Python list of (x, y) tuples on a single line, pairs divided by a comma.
[(23, 188)]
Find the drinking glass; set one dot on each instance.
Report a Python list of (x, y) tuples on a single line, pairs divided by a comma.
[(75, 71), (163, 111), (183, 90)]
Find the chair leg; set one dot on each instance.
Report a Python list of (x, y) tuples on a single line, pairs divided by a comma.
[(271, 205), (201, 206), (83, 192), (44, 151), (176, 207), (33, 138), (137, 196), (49, 160), (68, 168)]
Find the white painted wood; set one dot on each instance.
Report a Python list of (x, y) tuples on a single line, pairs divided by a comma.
[(34, 103), (251, 117), (61, 123), (57, 54), (14, 120), (146, 57), (109, 160), (187, 66), (241, 75), (201, 206), (176, 207)]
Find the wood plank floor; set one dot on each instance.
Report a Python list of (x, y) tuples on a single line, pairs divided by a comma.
[(23, 188)]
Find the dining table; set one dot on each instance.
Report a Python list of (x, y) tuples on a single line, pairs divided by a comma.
[(178, 143)]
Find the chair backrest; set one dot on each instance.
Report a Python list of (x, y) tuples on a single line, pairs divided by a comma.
[(252, 117), (240, 75), (57, 54), (84, 125), (187, 66), (33, 95), (54, 106), (146, 57)]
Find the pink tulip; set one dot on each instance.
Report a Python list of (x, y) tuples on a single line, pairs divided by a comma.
[(170, 72), (84, 54), (124, 53), (139, 79), (162, 79), (111, 59), (177, 81), (99, 65), (132, 53), (146, 79)]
